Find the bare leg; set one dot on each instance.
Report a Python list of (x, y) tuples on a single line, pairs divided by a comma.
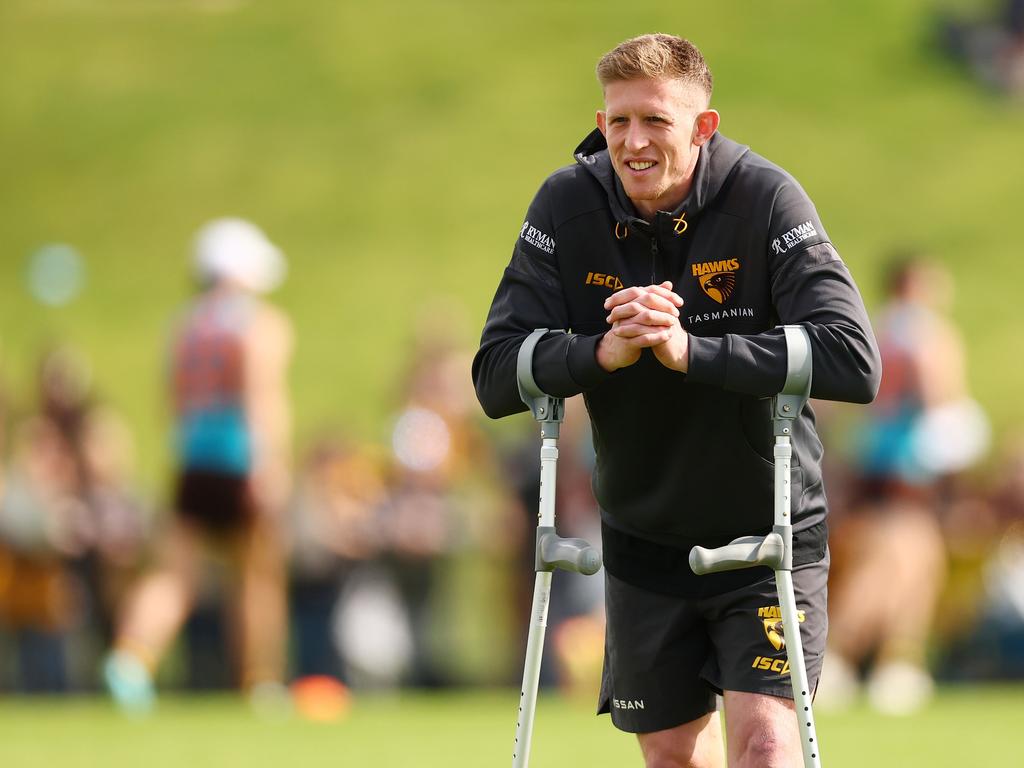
[(762, 731), (158, 605), (697, 744), (262, 604), (917, 558), (891, 584)]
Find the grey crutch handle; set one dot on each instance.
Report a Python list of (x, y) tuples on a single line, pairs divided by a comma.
[(566, 554), (744, 552)]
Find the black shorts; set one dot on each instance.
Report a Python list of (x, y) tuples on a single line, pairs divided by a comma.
[(666, 657), (220, 502)]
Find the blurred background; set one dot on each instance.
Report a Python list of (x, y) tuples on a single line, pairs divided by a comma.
[(389, 150)]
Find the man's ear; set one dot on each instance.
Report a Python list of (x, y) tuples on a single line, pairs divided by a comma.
[(602, 122), (705, 125)]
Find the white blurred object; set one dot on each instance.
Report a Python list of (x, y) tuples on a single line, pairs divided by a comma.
[(421, 440), (238, 250), (371, 629), (838, 686), (1004, 580), (899, 688), (951, 437), (56, 274)]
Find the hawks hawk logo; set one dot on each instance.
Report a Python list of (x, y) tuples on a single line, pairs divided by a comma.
[(771, 617), (717, 278), (776, 634)]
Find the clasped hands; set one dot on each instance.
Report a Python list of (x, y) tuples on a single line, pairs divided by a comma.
[(643, 318)]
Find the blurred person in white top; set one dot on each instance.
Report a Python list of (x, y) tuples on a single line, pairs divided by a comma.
[(229, 359)]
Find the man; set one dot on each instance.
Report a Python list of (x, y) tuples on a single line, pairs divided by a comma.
[(228, 368), (671, 254)]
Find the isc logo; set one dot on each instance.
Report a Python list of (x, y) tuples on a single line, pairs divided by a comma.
[(600, 278), (775, 665)]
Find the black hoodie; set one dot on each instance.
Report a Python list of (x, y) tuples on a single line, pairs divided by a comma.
[(683, 458)]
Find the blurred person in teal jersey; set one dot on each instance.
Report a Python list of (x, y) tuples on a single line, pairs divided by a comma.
[(229, 359), (922, 429)]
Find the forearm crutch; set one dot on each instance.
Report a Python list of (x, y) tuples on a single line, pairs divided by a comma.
[(776, 549), (552, 550)]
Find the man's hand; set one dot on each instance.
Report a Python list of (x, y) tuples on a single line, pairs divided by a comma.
[(642, 318)]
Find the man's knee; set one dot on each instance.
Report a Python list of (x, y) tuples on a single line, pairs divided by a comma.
[(767, 749), (762, 731)]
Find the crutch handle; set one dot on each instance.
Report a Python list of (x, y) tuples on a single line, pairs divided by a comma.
[(744, 552), (566, 554)]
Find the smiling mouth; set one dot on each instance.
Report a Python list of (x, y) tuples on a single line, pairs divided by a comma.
[(640, 165)]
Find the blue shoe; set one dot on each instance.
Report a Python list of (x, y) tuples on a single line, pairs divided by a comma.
[(129, 683)]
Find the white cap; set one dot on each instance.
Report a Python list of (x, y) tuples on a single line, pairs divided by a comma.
[(238, 250)]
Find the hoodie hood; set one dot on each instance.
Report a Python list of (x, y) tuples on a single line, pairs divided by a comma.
[(717, 160)]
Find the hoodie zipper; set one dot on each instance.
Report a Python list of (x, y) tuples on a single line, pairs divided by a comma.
[(654, 257)]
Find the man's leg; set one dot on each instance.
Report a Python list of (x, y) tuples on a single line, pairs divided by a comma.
[(752, 667), (697, 744), (762, 731), (655, 646)]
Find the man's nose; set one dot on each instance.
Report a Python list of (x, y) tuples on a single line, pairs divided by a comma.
[(636, 138)]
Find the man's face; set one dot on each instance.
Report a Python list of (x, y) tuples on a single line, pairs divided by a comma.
[(654, 130)]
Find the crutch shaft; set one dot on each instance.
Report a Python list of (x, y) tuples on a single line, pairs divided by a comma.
[(802, 693), (548, 477), (531, 669), (552, 551)]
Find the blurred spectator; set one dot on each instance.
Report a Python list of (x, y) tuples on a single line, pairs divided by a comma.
[(229, 362), (385, 540), (923, 428), (334, 529), (437, 449), (988, 641), (993, 49), (70, 527)]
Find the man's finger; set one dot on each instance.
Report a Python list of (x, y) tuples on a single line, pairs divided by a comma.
[(644, 294), (648, 300), (624, 296), (665, 291), (639, 313), (643, 335)]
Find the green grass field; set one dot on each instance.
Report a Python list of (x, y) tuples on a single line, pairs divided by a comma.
[(963, 727), (392, 148)]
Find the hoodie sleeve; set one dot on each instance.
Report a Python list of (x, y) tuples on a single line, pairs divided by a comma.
[(810, 286), (530, 296)]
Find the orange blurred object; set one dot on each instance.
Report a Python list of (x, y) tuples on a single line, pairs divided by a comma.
[(321, 698)]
